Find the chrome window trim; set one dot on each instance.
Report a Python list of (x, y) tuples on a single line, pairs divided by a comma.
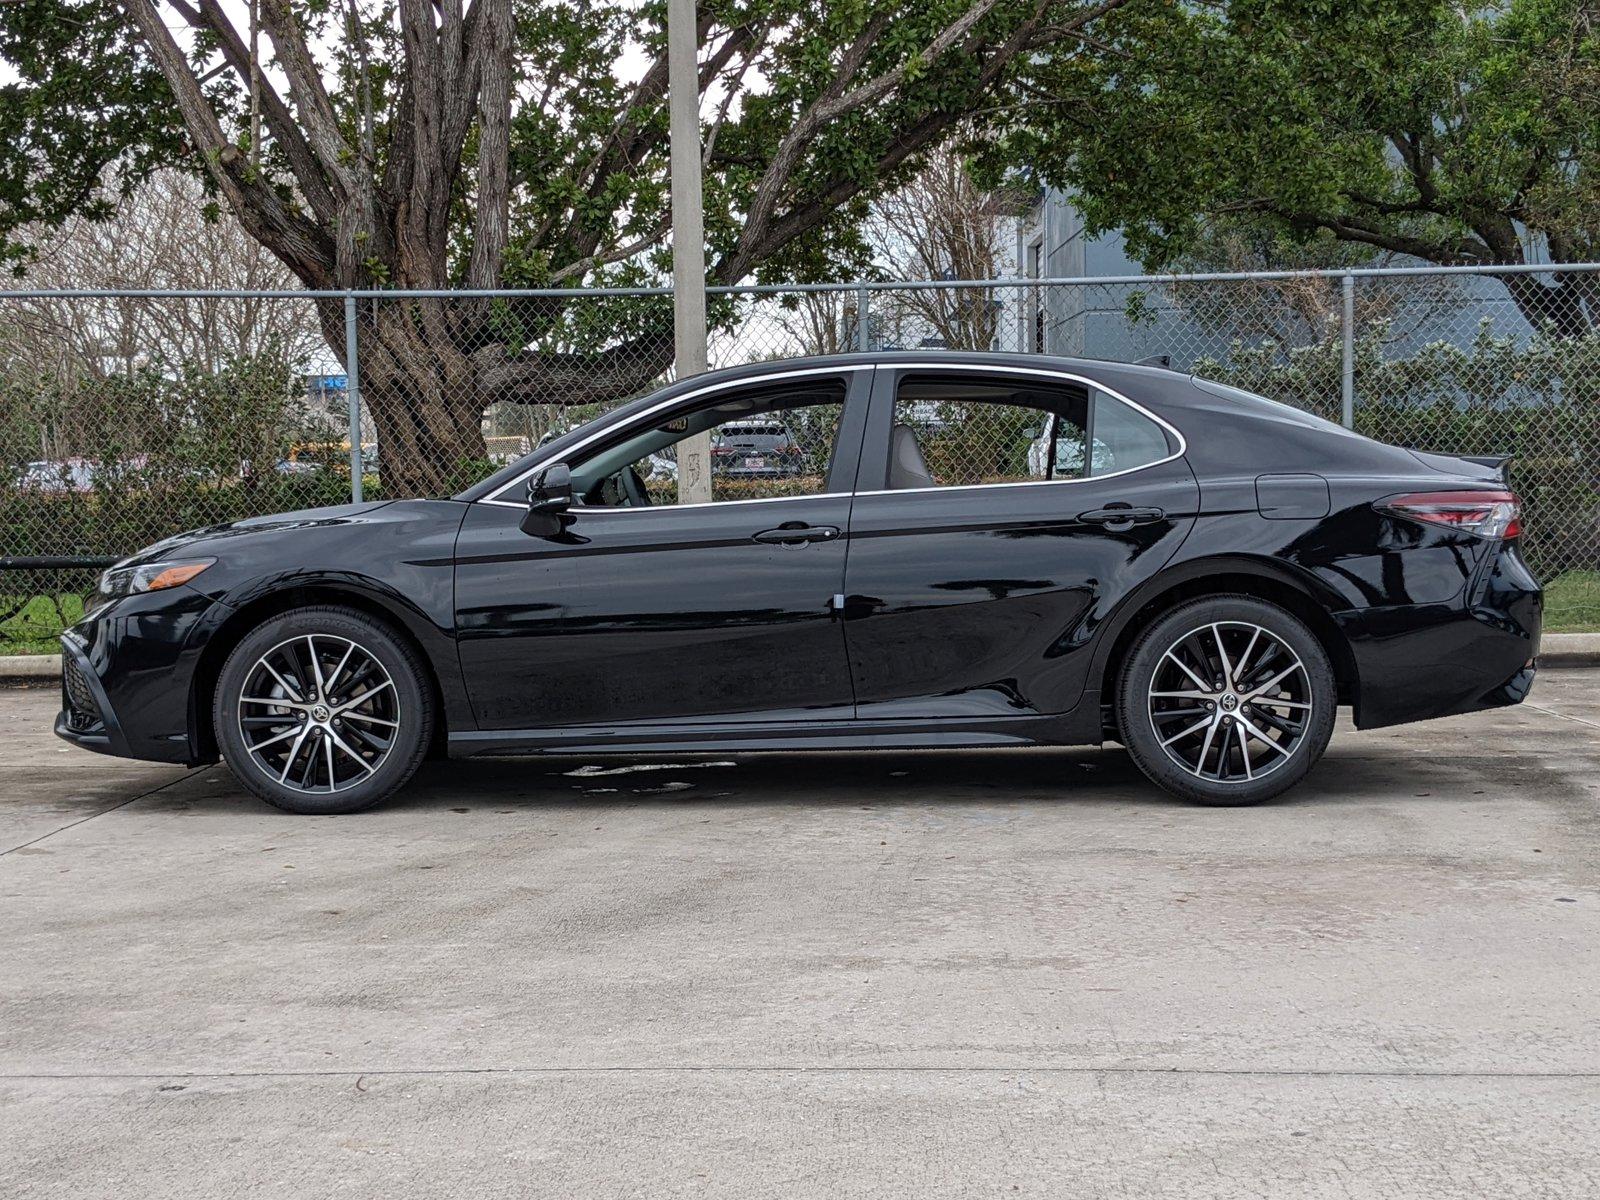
[(935, 368), (708, 389)]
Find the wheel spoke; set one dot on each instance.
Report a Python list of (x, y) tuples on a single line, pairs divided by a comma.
[(294, 750), (1205, 749), (333, 775), (361, 699), (335, 740), (371, 741), (333, 678), (1272, 701), (294, 692), (1244, 658), (1184, 695), (1184, 667), (1277, 722), (316, 667), (1260, 736), (273, 741), (370, 720), (1195, 728), (1244, 749), (308, 773), (274, 702), (1222, 653), (1273, 682)]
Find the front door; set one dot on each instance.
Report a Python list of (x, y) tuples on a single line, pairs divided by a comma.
[(647, 611), (1006, 513)]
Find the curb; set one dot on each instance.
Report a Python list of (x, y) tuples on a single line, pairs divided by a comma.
[(1555, 650), (23, 667), (1569, 650)]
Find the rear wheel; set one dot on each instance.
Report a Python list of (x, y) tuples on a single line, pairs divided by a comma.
[(323, 710), (1227, 700)]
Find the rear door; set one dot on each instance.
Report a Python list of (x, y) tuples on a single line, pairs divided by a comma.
[(999, 518)]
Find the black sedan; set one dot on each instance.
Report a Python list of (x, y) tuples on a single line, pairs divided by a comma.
[(994, 550)]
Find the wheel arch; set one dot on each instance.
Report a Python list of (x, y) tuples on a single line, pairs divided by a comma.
[(264, 603), (1265, 580)]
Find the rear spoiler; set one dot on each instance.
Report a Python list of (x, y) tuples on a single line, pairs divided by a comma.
[(1480, 466), (1495, 462)]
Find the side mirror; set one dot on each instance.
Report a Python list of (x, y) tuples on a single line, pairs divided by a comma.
[(549, 495)]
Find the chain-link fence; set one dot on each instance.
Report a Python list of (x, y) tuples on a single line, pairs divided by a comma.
[(126, 417)]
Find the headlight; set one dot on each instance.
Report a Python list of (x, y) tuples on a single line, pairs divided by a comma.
[(149, 577)]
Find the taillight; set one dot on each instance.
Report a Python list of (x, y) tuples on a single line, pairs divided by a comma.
[(1487, 514)]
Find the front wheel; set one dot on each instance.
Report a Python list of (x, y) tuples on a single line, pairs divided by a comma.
[(323, 710), (1227, 700)]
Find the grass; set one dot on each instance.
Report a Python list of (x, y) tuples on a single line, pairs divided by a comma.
[(33, 625), (1572, 605)]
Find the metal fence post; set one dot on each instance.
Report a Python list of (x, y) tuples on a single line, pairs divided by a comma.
[(352, 389), (1347, 369), (863, 335)]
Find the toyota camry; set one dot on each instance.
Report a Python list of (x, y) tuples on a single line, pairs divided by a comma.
[(972, 550)]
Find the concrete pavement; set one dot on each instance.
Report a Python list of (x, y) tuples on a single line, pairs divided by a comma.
[(947, 974)]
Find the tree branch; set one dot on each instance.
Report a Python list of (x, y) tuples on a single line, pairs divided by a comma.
[(302, 160), (302, 246), (309, 96)]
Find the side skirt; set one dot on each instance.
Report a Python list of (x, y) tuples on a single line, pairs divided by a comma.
[(771, 735)]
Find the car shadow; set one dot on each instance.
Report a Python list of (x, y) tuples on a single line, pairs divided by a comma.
[(994, 778)]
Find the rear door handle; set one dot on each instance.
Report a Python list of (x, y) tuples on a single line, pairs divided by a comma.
[(796, 533), (1118, 517)]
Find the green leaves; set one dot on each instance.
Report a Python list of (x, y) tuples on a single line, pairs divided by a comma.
[(1405, 125)]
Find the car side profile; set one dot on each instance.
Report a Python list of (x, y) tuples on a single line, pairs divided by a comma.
[(978, 550)]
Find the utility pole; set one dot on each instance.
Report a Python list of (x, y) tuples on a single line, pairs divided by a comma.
[(688, 234)]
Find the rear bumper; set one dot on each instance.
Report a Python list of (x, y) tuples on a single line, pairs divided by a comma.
[(1435, 660)]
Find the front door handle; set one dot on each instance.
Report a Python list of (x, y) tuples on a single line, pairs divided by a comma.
[(796, 533), (1120, 517)]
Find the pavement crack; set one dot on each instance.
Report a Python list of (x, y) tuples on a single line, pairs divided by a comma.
[(113, 808), (1564, 716)]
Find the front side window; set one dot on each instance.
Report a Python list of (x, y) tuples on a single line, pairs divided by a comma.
[(955, 432), (765, 443)]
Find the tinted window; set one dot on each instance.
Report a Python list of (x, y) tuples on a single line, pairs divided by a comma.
[(765, 442), (956, 432), (1124, 438)]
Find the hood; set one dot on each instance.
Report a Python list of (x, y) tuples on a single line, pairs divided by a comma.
[(337, 514)]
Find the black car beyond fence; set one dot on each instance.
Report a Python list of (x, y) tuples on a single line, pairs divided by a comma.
[(958, 550)]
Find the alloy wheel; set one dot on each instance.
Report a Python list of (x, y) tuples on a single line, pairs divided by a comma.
[(318, 713), (1230, 702)]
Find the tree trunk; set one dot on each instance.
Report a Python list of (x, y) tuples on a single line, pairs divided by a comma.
[(1559, 309), (431, 368), (424, 396)]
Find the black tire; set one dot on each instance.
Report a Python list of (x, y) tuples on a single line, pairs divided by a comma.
[(1212, 762), (393, 692)]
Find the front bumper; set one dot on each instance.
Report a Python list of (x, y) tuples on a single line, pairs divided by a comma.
[(127, 674)]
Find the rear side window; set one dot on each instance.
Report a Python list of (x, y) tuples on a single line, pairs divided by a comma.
[(961, 431), (1124, 438)]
